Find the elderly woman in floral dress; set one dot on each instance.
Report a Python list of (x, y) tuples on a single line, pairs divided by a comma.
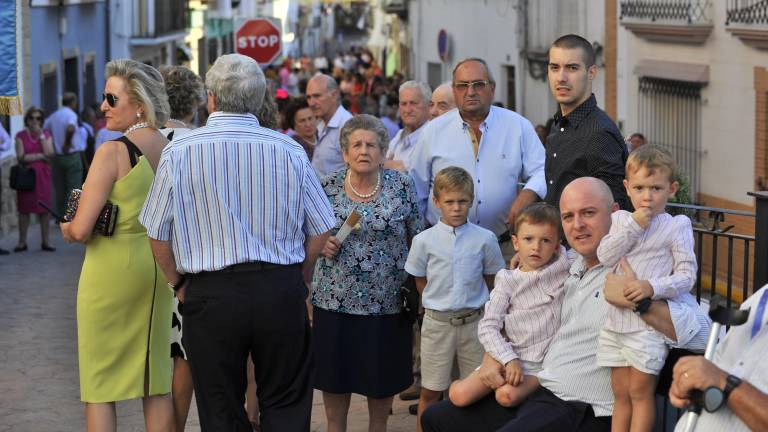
[(362, 340)]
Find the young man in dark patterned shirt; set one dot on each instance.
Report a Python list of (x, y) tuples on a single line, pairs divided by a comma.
[(583, 140)]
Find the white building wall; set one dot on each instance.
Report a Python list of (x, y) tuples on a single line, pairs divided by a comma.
[(728, 102), (486, 29), (548, 20), (499, 31)]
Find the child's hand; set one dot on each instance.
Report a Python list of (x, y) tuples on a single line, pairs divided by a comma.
[(513, 372), (637, 290), (514, 262), (643, 216)]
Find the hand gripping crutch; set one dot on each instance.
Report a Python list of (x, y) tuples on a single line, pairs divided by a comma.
[(721, 316)]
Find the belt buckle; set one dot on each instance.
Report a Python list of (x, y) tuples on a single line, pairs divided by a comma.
[(462, 319)]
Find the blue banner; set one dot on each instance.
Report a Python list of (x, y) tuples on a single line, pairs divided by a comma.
[(10, 102)]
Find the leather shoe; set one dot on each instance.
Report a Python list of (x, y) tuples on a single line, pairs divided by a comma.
[(48, 248), (20, 248), (413, 409), (411, 393), (4, 252)]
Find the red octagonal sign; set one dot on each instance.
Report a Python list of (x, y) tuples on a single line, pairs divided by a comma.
[(259, 39)]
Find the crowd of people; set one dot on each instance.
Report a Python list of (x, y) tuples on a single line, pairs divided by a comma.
[(267, 243)]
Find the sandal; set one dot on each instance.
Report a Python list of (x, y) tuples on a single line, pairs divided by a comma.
[(20, 248), (47, 248)]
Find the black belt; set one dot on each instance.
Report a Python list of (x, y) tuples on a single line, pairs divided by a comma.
[(255, 266)]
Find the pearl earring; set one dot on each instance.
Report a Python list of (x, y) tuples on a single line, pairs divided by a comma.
[(138, 115)]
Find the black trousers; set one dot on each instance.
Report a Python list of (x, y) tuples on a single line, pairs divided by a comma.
[(541, 412), (237, 312)]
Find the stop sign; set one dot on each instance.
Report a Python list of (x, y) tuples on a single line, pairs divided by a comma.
[(259, 39)]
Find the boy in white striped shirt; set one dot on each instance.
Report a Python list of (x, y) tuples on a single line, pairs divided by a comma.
[(659, 247), (523, 314)]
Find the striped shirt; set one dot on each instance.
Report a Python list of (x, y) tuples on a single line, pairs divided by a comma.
[(743, 355), (662, 254), (526, 306), (234, 192), (570, 369), (691, 322)]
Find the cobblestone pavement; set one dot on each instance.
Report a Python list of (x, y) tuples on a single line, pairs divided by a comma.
[(39, 389)]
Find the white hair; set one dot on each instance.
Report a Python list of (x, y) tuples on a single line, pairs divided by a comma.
[(238, 84), (426, 92)]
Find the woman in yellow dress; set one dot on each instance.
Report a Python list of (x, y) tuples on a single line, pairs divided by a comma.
[(123, 304)]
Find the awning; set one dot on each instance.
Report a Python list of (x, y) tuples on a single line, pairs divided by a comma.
[(676, 71)]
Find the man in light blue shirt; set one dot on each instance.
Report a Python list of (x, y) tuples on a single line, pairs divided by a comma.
[(234, 215), (324, 98), (414, 112), (498, 147)]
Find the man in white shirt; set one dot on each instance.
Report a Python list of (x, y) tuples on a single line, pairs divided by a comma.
[(414, 114), (498, 147), (67, 163), (324, 98), (737, 377)]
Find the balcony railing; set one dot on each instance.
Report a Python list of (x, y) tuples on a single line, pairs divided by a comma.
[(689, 11), (746, 12), (683, 21), (748, 20)]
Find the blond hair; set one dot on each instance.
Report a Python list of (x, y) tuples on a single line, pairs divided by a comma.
[(453, 179), (145, 88), (652, 158)]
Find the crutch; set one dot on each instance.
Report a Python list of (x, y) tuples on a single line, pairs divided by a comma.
[(721, 316)]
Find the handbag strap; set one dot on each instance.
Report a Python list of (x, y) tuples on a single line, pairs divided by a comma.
[(133, 151)]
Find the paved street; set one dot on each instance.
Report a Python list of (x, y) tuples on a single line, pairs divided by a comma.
[(39, 389)]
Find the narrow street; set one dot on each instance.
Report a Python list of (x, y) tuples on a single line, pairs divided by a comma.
[(39, 388)]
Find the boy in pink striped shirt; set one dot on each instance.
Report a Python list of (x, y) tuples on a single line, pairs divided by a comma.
[(659, 248), (523, 313)]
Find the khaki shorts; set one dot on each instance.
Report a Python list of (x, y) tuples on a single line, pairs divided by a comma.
[(643, 350), (440, 343)]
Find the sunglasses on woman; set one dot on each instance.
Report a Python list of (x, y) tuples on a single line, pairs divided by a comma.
[(111, 99), (36, 117)]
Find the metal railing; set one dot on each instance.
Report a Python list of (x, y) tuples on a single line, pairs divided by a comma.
[(688, 11), (746, 12), (712, 239)]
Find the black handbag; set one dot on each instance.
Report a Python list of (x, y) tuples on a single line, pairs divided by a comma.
[(410, 297), (22, 178)]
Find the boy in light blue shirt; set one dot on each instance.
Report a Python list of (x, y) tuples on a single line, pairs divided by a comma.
[(453, 264)]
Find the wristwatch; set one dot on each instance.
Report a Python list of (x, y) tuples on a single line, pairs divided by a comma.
[(642, 306), (175, 287), (714, 398)]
